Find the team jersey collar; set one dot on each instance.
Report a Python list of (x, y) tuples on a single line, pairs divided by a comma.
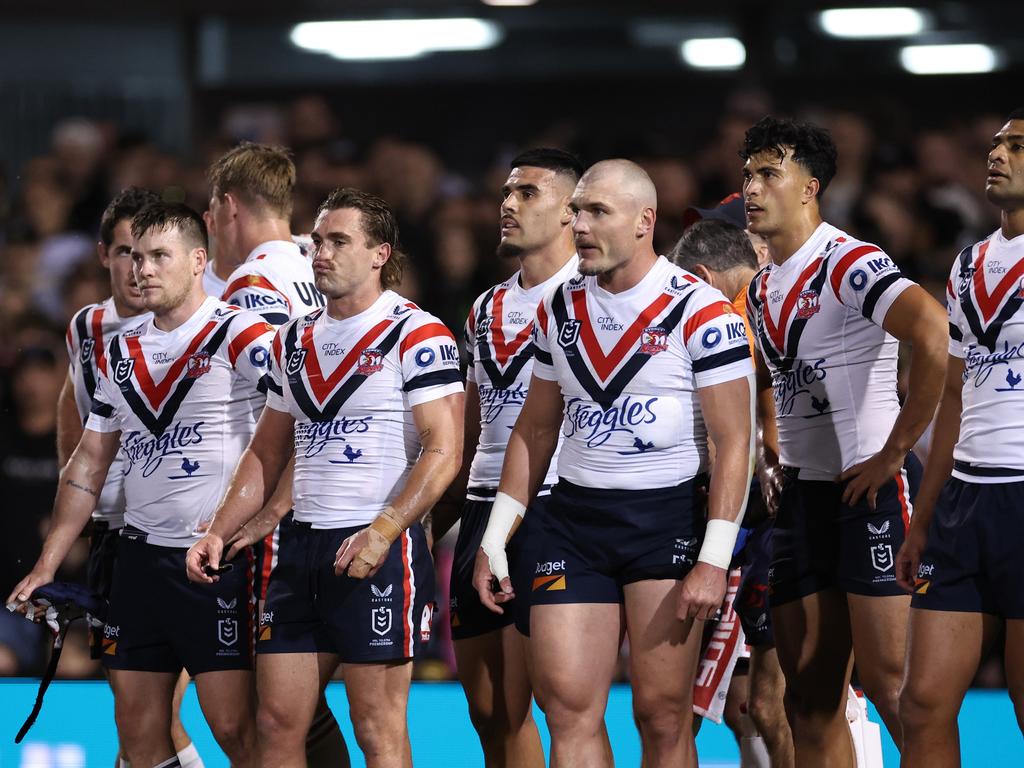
[(654, 275), (1002, 241), (811, 248), (563, 274), (111, 315), (284, 247), (189, 327), (386, 298)]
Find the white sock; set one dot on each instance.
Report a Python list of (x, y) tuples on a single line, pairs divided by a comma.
[(122, 763), (189, 757), (754, 753)]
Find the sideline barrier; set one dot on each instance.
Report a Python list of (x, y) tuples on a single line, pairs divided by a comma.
[(76, 729)]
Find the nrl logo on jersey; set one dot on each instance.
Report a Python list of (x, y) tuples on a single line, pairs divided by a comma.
[(86, 352), (295, 361), (966, 275), (370, 361), (807, 304), (653, 340), (198, 365), (123, 370), (484, 328), (569, 332)]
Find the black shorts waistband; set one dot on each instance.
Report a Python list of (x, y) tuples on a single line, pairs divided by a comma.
[(586, 492), (973, 469)]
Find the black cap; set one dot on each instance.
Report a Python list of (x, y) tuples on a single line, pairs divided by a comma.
[(730, 210)]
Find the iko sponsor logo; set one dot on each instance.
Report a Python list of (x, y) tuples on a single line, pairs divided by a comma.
[(259, 357), (787, 386), (858, 279), (258, 301), (882, 265), (449, 354), (493, 401), (313, 437), (588, 422), (148, 453)]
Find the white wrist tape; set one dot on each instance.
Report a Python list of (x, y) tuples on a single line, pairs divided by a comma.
[(504, 513), (719, 541)]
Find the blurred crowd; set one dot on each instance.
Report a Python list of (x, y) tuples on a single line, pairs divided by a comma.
[(917, 191)]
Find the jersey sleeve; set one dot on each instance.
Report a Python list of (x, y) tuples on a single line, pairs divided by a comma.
[(753, 303), (103, 415), (253, 291), (865, 278), (275, 373), (249, 339), (543, 364), (429, 358), (954, 313), (715, 338), (469, 337)]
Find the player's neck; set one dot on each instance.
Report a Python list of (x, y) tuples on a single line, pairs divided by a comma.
[(1012, 223), (223, 269), (738, 283), (124, 310), (258, 233), (628, 274), (541, 265), (181, 314), (790, 239), (352, 304)]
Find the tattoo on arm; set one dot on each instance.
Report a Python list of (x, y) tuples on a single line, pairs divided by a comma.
[(438, 451), (80, 487), (426, 433)]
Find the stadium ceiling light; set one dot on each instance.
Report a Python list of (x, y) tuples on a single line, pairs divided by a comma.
[(959, 59), (509, 3), (713, 52), (867, 23), (384, 39)]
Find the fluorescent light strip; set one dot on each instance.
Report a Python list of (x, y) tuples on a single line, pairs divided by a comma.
[(713, 52), (959, 59), (509, 3), (867, 23), (383, 39)]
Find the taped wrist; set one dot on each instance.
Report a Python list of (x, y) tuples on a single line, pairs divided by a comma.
[(719, 540), (504, 513), (388, 525)]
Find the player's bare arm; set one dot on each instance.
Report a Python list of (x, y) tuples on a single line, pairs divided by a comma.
[(769, 474), (69, 424), (530, 447), (917, 319), (80, 484), (945, 433), (439, 423), (449, 508), (258, 472), (728, 410), (263, 522)]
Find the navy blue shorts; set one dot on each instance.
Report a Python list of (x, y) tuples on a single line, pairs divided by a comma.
[(99, 574), (597, 540), (972, 559), (820, 543), (266, 552), (752, 598), (311, 610), (469, 617), (159, 621)]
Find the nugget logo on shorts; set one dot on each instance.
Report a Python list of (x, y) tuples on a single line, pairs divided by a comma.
[(551, 576)]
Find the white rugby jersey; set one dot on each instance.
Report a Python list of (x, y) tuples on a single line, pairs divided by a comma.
[(186, 404), (87, 336), (212, 284), (499, 339), (350, 385), (275, 281), (984, 297), (817, 321), (629, 366)]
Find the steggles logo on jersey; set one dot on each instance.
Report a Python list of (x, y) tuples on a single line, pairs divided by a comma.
[(788, 385), (371, 361), (317, 435), (653, 340), (150, 452), (597, 426), (123, 370), (493, 400), (981, 366), (569, 332), (198, 365)]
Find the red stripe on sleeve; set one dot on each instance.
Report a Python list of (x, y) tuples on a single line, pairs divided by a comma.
[(253, 281), (705, 315), (471, 321), (542, 319), (846, 262), (424, 332), (245, 338)]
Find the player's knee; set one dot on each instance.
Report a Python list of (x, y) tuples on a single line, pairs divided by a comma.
[(811, 713), (379, 728), (275, 722), (661, 716), (766, 711), (922, 707), (234, 731)]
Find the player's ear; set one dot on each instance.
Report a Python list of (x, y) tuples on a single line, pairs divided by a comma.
[(811, 190), (565, 219), (645, 226), (198, 256), (104, 254), (383, 254), (704, 274)]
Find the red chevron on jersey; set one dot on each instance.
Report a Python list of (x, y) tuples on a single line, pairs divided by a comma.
[(322, 387), (421, 334), (503, 350), (777, 334), (840, 270), (246, 337), (97, 335), (603, 364), (705, 315), (990, 303), (157, 393)]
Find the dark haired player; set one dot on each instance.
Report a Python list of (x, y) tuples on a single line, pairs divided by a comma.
[(178, 397), (827, 314), (961, 557)]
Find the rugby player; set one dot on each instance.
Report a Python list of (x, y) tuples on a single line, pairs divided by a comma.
[(491, 648), (961, 555), (250, 210), (178, 395), (637, 363), (827, 313), (368, 393), (718, 251)]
